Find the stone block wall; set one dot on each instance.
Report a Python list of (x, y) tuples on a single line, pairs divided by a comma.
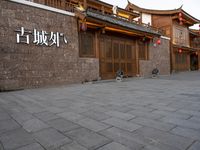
[(28, 66), (159, 57)]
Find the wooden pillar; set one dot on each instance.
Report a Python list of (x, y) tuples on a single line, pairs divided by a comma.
[(62, 5), (198, 52), (102, 9), (97, 44), (85, 4), (40, 1), (137, 57)]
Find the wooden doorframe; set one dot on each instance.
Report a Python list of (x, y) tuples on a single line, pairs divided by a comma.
[(128, 63)]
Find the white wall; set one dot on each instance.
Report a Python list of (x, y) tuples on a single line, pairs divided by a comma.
[(146, 18)]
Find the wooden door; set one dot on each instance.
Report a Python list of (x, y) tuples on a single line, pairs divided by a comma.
[(115, 54)]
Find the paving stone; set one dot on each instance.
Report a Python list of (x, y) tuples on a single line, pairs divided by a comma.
[(15, 139), (122, 137), (117, 108), (182, 123), (159, 147), (174, 98), (54, 109), (135, 141), (190, 112), (193, 106), (71, 116), (145, 114), (172, 114), (92, 124), (166, 138), (120, 115), (4, 116), (195, 119), (99, 116), (62, 124), (73, 146), (190, 133), (88, 138), (46, 116), (165, 108), (33, 146), (140, 108), (113, 146), (152, 123), (50, 138), (21, 117), (122, 124), (34, 125), (1, 146), (34, 109), (195, 146), (7, 125)]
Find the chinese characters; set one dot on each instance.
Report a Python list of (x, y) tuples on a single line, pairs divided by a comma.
[(40, 37)]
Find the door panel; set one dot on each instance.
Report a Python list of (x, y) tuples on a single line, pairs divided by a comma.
[(115, 54)]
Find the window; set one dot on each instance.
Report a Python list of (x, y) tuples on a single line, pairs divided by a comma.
[(143, 50), (87, 48), (180, 36)]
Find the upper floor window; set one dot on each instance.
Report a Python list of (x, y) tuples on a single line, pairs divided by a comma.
[(180, 36)]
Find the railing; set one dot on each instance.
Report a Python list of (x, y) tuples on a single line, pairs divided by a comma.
[(160, 31), (195, 44), (60, 4)]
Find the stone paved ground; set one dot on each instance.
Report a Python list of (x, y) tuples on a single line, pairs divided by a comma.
[(137, 114)]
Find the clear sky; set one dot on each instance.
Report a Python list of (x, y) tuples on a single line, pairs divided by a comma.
[(190, 6)]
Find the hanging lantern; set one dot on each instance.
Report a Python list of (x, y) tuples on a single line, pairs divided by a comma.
[(180, 18), (181, 23), (158, 42), (180, 50), (83, 26)]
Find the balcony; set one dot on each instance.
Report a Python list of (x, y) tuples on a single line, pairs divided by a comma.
[(60, 4), (69, 5)]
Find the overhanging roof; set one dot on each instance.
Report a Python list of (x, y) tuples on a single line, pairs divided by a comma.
[(121, 22), (162, 12)]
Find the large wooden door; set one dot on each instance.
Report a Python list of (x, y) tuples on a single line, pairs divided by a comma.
[(115, 54)]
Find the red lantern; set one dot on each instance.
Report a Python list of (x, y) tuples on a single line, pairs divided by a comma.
[(180, 18), (180, 50), (158, 41), (83, 26)]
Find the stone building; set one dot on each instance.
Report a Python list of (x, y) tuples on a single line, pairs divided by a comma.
[(45, 43)]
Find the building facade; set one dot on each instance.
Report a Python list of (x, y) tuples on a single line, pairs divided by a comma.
[(175, 23), (45, 43)]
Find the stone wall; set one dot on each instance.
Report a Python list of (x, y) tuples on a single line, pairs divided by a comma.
[(159, 57), (28, 66)]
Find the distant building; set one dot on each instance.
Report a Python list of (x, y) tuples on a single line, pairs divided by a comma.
[(184, 54)]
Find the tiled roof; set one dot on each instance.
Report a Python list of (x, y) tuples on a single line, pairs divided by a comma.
[(121, 22)]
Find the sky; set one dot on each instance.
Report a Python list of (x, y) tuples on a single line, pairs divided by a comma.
[(190, 6)]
